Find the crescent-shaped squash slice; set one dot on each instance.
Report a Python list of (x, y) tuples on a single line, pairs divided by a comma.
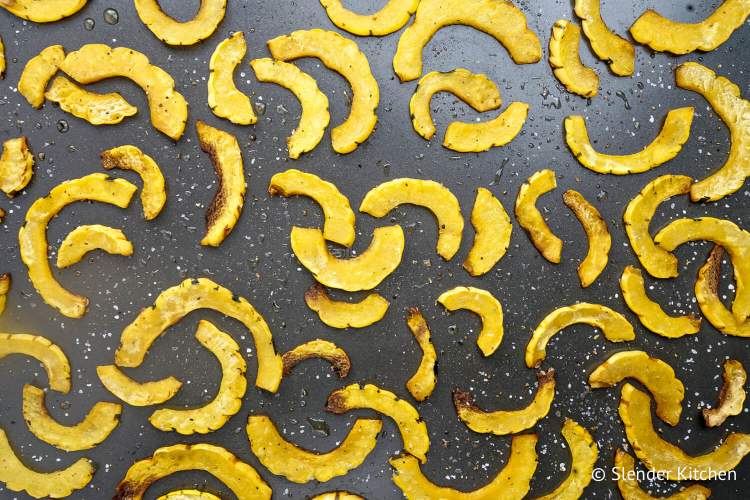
[(512, 482), (38, 72), (613, 325), (711, 305), (173, 32), (2, 59), (583, 455), (660, 455), (530, 218), (566, 63), (483, 304), (43, 11), (504, 422), (154, 193), (224, 98), (391, 18), (499, 19), (337, 495), (85, 239), (5, 281), (608, 46), (340, 314), (97, 109), (423, 382), (52, 358), (239, 477), (478, 137), (137, 393), (411, 426), (16, 166), (188, 495), (597, 233), (301, 466), (342, 55), (674, 133), (492, 230), (318, 349), (433, 196), (731, 396), (627, 483), (32, 237)]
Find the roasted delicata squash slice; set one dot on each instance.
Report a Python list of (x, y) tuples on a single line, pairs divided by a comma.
[(499, 19), (597, 233), (364, 272), (583, 454), (731, 396), (650, 313), (566, 63), (411, 426), (188, 495), (663, 148), (504, 422), (466, 137), (338, 216), (5, 281), (173, 32), (483, 304), (239, 477), (530, 218), (433, 196), (95, 427), (492, 230), (340, 314), (97, 109), (224, 98), (137, 393), (318, 349), (94, 62), (475, 89), (617, 52), (85, 239), (314, 103), (342, 55), (32, 237), (613, 325), (301, 466), (51, 357), (2, 59), (228, 400), (668, 459), (725, 98), (391, 18), (57, 484), (511, 482), (662, 34), (656, 375), (154, 192), (658, 262), (43, 11), (711, 305), (627, 483), (423, 382), (38, 72), (177, 302), (16, 166), (226, 207), (337, 495)]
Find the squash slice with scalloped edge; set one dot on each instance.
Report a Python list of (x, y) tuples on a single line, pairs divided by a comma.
[(43, 11), (492, 230), (188, 495), (224, 98), (154, 193), (87, 238), (16, 166), (137, 393), (711, 305), (52, 358), (5, 282), (337, 495), (422, 383), (566, 63), (583, 453), (97, 109), (731, 396), (470, 137), (597, 233), (483, 304), (611, 48), (627, 483), (389, 19), (531, 220), (318, 349), (37, 73), (173, 32), (341, 314)]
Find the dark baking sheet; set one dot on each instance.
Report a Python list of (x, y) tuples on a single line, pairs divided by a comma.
[(256, 261)]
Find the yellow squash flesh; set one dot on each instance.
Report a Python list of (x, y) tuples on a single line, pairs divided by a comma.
[(483, 304), (597, 233), (340, 314), (709, 301), (627, 483), (137, 393), (38, 72), (466, 137), (492, 228), (566, 63), (5, 281), (224, 98), (318, 349), (583, 455), (609, 47), (43, 11), (530, 218), (389, 19), (173, 32), (731, 396), (154, 193), (52, 358), (85, 239), (423, 382), (16, 166), (97, 109)]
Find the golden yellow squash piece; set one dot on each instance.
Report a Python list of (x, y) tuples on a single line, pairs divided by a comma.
[(340, 314), (658, 262), (301, 466), (662, 34), (51, 357), (228, 400), (2, 58), (5, 281), (94, 62), (478, 137), (314, 103), (239, 477), (663, 148), (137, 393), (95, 427), (656, 375), (411, 426), (226, 207), (321, 349), (650, 313), (224, 98), (475, 89), (711, 305), (492, 228), (597, 233), (433, 196), (583, 454), (511, 483), (530, 218), (85, 239), (731, 397), (483, 304), (422, 383), (43, 11), (342, 55), (338, 216), (504, 422), (337, 495), (627, 483), (188, 495), (38, 72), (173, 32), (566, 63), (389, 19), (668, 459), (32, 237), (16, 166), (364, 272), (177, 302), (154, 193), (499, 19), (613, 325), (608, 46), (57, 484), (97, 109), (725, 98)]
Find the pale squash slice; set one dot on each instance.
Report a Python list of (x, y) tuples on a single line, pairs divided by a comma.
[(530, 218), (154, 193), (16, 166), (137, 393), (617, 52), (492, 230), (483, 304), (583, 455), (85, 239), (391, 18), (97, 109), (340, 314), (5, 281), (224, 98), (566, 63), (38, 72), (466, 137), (173, 32), (43, 11)]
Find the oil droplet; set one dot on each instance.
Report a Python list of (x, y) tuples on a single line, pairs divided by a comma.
[(111, 16), (88, 24), (62, 126)]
